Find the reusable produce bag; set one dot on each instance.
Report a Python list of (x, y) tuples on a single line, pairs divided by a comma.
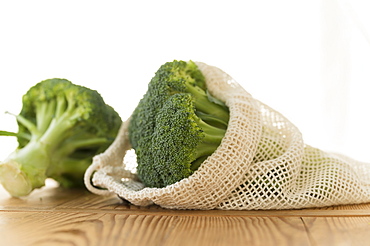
[(261, 163)]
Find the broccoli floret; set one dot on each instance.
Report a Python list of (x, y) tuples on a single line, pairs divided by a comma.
[(176, 125), (60, 128)]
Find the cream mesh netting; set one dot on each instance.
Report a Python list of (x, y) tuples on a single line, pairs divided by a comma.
[(262, 163)]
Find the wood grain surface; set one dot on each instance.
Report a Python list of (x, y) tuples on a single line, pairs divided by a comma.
[(53, 216)]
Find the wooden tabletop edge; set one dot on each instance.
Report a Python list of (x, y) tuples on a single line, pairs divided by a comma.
[(217, 213)]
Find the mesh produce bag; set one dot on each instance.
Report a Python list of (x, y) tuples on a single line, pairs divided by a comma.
[(261, 163)]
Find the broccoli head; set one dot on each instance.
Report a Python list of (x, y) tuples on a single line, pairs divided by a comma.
[(176, 125), (61, 126)]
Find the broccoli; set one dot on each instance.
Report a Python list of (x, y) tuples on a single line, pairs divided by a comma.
[(61, 126), (176, 125)]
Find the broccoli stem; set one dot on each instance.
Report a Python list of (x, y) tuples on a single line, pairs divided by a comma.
[(32, 128), (212, 134), (45, 113), (206, 109), (56, 133), (212, 139), (68, 171), (71, 146), (65, 118), (212, 120), (26, 168), (197, 163)]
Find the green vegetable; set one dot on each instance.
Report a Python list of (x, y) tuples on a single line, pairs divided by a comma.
[(61, 127), (176, 125)]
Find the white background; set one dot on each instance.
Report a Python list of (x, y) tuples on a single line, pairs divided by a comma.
[(310, 60)]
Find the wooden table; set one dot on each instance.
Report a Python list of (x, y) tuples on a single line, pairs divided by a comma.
[(53, 216)]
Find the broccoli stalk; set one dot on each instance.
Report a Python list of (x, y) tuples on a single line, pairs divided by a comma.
[(61, 127), (176, 125), (206, 108), (212, 137)]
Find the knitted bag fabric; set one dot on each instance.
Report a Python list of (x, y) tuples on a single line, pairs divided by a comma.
[(261, 163)]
